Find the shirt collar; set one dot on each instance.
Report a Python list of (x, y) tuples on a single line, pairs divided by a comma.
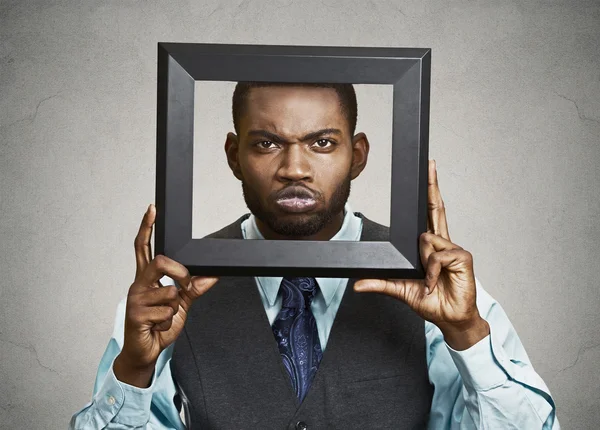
[(351, 230)]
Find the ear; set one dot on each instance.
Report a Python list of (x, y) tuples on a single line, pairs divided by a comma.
[(360, 153), (231, 151)]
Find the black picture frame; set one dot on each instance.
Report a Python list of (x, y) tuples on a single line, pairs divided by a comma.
[(180, 65)]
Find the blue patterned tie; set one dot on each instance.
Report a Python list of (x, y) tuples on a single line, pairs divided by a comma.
[(295, 330)]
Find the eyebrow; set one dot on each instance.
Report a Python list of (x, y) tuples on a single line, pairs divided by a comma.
[(278, 139)]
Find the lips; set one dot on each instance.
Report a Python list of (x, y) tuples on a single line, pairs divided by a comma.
[(296, 200)]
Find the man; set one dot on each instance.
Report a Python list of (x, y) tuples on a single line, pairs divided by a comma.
[(298, 353)]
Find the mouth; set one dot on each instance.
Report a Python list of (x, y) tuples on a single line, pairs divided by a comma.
[(296, 204), (296, 200)]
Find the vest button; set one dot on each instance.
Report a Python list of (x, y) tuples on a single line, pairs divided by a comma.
[(301, 425)]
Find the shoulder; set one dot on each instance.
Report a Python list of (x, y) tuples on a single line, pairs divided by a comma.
[(231, 231), (373, 231)]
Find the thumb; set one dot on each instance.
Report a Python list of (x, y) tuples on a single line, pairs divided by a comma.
[(402, 289), (200, 285)]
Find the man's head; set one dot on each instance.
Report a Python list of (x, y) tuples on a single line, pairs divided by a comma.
[(295, 153)]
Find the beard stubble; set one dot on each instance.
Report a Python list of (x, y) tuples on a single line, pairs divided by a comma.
[(302, 225)]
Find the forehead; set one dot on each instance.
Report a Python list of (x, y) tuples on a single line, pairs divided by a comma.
[(291, 110)]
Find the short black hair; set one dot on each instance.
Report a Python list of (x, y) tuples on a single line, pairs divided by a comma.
[(345, 92)]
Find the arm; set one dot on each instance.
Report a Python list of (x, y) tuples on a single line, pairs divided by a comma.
[(134, 386), (471, 346), (491, 384), (117, 405)]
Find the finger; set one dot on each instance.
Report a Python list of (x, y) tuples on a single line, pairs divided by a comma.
[(429, 225), (436, 209), (198, 286), (160, 266), (149, 253), (142, 242), (429, 214), (163, 326), (426, 247), (452, 260), (403, 289), (434, 268), (167, 296), (430, 242), (154, 315)]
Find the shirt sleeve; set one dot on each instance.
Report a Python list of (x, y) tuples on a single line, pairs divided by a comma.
[(117, 405), (490, 385)]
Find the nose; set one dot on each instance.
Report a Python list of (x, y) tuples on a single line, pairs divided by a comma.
[(295, 164)]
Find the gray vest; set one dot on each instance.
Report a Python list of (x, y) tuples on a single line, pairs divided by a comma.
[(373, 374)]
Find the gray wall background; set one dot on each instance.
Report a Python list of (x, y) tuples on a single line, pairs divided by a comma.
[(515, 128)]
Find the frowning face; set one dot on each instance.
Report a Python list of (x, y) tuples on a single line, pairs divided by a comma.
[(295, 156)]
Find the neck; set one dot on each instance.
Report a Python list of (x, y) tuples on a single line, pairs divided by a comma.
[(326, 233)]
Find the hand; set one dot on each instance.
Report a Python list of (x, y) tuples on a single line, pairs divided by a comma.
[(155, 315), (447, 295)]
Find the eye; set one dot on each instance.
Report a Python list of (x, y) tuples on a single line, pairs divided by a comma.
[(322, 143), (265, 144)]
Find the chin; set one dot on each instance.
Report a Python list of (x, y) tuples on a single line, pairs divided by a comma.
[(298, 225)]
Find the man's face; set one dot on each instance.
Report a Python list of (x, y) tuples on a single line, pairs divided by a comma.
[(294, 157)]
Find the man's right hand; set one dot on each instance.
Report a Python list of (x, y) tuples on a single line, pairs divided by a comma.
[(155, 315)]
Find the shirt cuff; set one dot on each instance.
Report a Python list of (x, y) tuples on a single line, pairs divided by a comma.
[(478, 367), (125, 403)]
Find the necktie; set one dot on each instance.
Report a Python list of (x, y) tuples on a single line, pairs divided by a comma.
[(295, 331)]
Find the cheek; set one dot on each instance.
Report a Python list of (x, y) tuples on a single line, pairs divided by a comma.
[(333, 171), (256, 174)]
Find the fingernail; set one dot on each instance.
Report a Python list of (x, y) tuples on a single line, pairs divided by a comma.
[(427, 290), (148, 210), (362, 286), (189, 287)]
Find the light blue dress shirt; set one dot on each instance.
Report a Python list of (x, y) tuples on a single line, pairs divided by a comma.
[(490, 385)]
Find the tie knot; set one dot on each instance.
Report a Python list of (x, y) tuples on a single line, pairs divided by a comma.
[(298, 292)]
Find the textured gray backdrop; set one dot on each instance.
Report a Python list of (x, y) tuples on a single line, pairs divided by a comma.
[(515, 129)]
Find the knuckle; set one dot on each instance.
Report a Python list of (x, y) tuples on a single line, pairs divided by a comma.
[(134, 316), (159, 326), (132, 296), (160, 261), (166, 325), (138, 242), (132, 290), (389, 287), (396, 289), (167, 312), (131, 304), (129, 309), (171, 292)]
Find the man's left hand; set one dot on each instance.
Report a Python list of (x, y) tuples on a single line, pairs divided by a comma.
[(446, 297)]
